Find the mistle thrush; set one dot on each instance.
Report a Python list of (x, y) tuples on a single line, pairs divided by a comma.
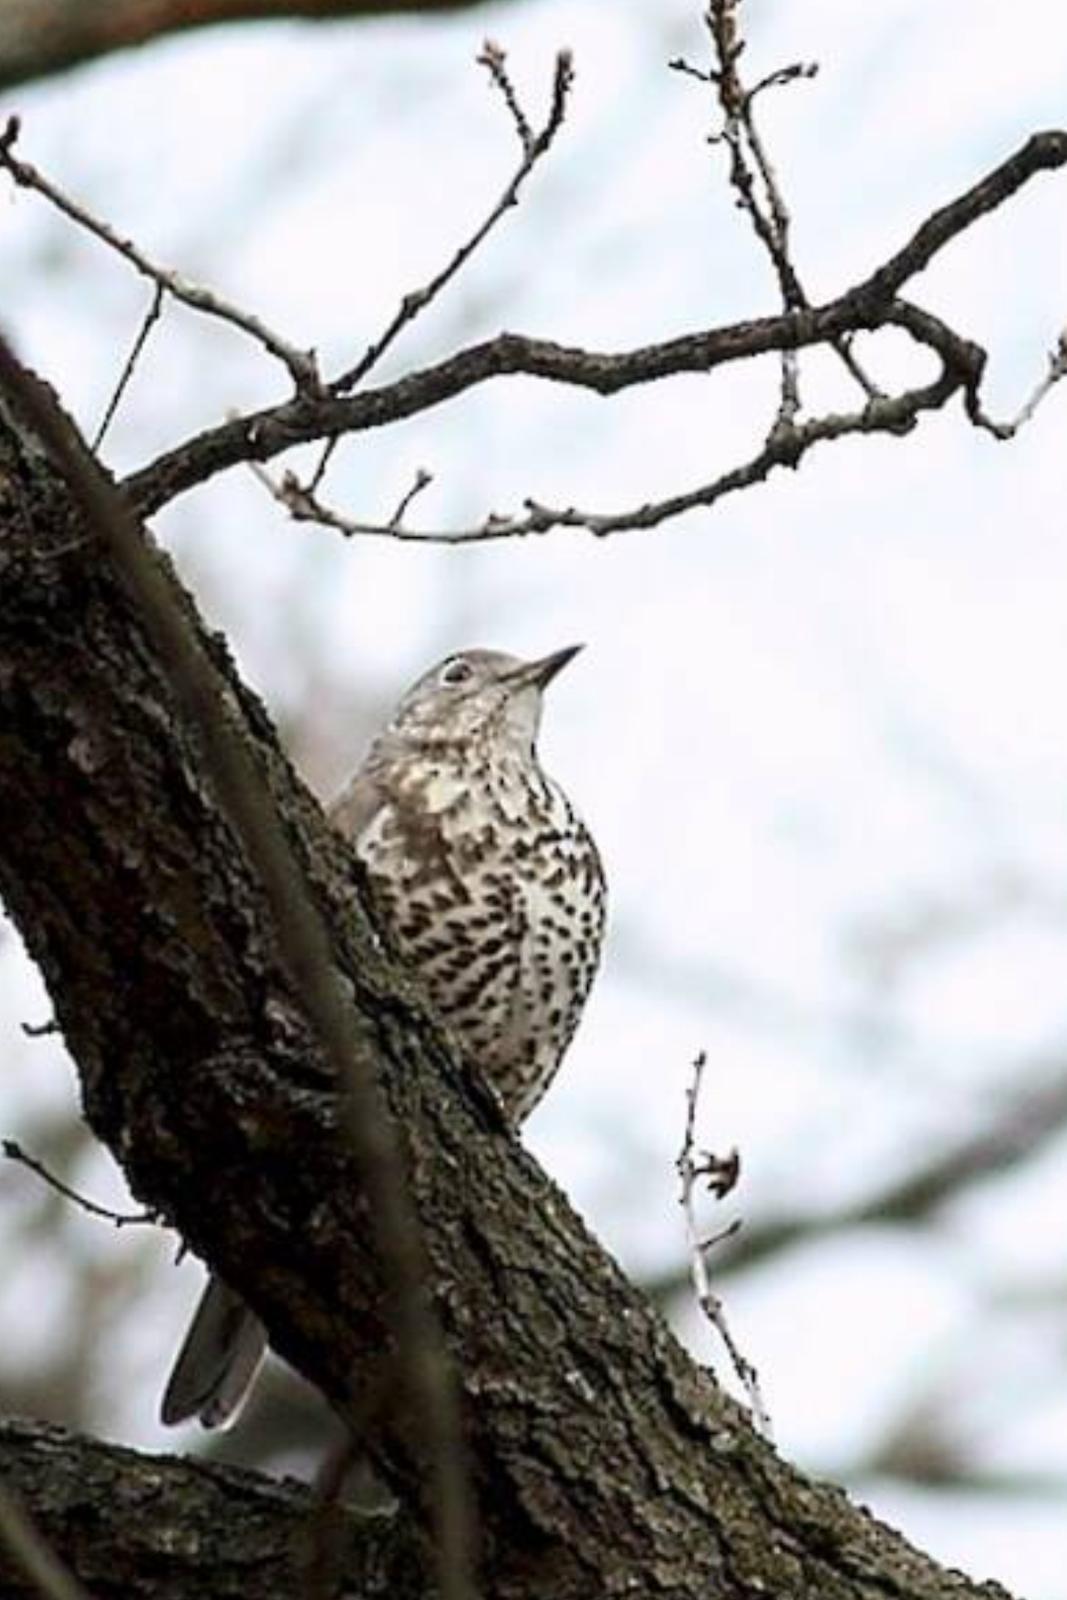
[(485, 881)]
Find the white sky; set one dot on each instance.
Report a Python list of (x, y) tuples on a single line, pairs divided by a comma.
[(819, 731)]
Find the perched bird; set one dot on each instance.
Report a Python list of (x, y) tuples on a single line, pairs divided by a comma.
[(485, 881)]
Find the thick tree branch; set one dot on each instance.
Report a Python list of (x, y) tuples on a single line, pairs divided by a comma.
[(603, 1459)]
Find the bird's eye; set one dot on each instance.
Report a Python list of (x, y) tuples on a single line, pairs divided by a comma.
[(457, 671)]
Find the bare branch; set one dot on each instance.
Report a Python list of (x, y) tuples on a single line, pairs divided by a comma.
[(1042, 152), (870, 304), (1009, 1136), (785, 446), (122, 1219), (721, 1175), (301, 364), (304, 505), (416, 300)]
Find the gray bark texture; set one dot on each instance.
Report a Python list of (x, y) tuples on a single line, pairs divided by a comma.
[(604, 1461)]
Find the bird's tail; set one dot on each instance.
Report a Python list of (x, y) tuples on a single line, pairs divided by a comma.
[(217, 1362)]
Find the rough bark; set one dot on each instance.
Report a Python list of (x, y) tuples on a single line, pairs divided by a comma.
[(604, 1460), (42, 37), (175, 1528)]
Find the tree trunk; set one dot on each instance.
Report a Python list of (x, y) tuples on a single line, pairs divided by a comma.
[(603, 1459)]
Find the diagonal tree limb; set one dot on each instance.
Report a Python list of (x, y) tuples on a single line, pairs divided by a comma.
[(305, 952), (603, 1459)]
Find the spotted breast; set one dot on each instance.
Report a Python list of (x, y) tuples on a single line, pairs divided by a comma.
[(482, 875)]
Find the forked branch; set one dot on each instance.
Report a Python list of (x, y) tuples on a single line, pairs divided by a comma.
[(324, 412)]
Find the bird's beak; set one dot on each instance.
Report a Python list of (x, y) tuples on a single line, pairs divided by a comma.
[(542, 671)]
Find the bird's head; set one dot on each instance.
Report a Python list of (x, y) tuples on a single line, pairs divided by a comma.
[(478, 696)]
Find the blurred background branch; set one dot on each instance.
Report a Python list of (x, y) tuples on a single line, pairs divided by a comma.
[(41, 37)]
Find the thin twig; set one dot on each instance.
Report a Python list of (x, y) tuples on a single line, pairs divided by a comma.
[(308, 958), (1010, 1134), (535, 146), (1055, 372), (422, 480), (303, 505), (769, 215), (721, 1175), (494, 58), (416, 300), (687, 69), (301, 364), (122, 1219), (782, 76), (151, 317)]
